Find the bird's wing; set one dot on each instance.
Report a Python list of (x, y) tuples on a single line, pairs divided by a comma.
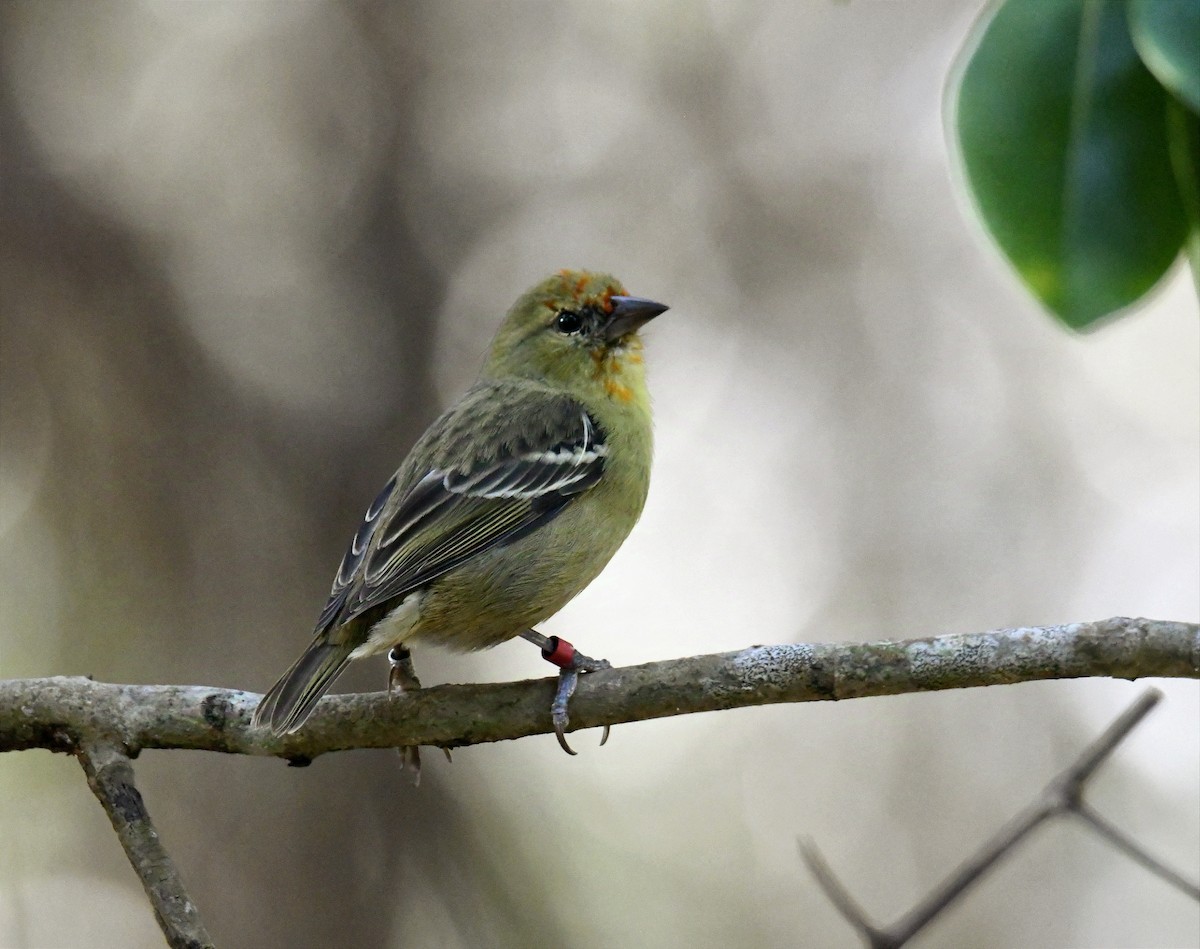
[(477, 494)]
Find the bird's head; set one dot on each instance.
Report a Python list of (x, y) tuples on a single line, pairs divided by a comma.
[(575, 329)]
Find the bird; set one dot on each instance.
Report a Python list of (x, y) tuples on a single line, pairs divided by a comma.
[(507, 507)]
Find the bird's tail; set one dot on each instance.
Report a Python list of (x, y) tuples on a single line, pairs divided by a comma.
[(290, 701)]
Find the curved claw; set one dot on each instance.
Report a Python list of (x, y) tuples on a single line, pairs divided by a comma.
[(604, 736), (568, 678), (562, 739), (570, 664)]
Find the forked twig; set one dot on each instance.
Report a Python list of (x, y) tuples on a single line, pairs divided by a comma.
[(1063, 795)]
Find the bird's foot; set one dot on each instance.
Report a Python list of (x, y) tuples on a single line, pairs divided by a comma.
[(402, 677), (571, 664), (410, 763)]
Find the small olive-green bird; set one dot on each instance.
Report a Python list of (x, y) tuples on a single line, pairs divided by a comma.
[(507, 507)]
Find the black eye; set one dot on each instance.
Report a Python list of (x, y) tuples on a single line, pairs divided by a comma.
[(568, 322)]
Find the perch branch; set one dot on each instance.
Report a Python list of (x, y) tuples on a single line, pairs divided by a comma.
[(107, 725), (57, 713)]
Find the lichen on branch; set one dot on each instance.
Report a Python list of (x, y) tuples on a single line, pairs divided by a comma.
[(58, 713)]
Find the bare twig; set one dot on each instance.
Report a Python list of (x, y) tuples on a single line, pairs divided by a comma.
[(55, 713), (1130, 848), (838, 895), (1063, 795), (110, 776)]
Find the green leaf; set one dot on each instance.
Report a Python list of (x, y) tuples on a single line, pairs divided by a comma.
[(1062, 133), (1183, 136), (1167, 35)]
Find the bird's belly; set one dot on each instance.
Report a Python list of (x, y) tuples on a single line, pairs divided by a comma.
[(496, 596), (395, 627)]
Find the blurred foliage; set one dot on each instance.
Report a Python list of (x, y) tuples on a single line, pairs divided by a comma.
[(1167, 36), (1080, 159)]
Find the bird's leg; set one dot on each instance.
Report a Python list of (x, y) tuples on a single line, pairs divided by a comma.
[(402, 677), (570, 664)]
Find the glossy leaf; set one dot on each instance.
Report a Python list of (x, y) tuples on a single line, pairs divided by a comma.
[(1183, 136), (1167, 36), (1063, 137)]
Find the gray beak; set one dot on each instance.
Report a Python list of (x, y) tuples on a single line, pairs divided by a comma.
[(629, 314)]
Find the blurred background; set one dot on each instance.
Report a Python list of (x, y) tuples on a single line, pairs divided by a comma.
[(248, 251)]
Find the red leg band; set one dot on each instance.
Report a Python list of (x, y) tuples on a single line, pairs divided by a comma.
[(559, 651)]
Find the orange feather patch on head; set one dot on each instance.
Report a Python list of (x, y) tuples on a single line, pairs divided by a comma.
[(585, 289)]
